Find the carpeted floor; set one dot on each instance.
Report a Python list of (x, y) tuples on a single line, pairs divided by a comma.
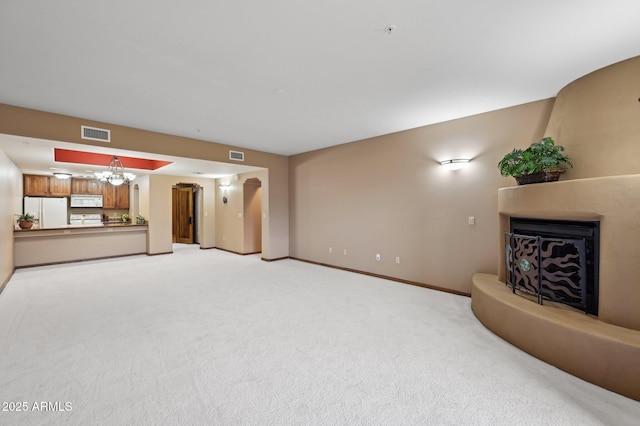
[(204, 337)]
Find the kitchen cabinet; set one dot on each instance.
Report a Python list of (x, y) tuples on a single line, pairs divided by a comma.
[(86, 186), (115, 197), (45, 186)]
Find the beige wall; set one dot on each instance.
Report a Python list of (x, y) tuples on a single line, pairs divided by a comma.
[(597, 119), (10, 204), (230, 234), (389, 195), (252, 217), (156, 207), (230, 217), (144, 203), (43, 125)]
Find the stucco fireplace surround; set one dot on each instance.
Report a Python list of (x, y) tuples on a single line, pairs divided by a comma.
[(603, 350)]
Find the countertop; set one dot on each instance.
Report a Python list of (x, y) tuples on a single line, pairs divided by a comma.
[(105, 225)]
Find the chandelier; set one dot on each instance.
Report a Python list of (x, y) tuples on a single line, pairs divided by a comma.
[(115, 175)]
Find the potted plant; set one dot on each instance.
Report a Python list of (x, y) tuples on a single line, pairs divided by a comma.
[(542, 161), (25, 221)]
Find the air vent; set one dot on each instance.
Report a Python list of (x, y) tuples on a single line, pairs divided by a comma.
[(236, 155), (95, 134)]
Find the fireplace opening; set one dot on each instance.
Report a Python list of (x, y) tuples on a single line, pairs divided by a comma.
[(555, 260)]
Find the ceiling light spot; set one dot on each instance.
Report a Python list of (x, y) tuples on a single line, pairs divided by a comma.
[(389, 29)]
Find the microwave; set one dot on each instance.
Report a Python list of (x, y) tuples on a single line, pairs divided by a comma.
[(86, 200)]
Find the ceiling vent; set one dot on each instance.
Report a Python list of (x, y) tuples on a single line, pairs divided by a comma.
[(95, 134), (236, 155)]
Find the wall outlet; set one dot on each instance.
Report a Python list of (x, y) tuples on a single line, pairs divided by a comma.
[(398, 259), (330, 249), (344, 251), (378, 257), (472, 220)]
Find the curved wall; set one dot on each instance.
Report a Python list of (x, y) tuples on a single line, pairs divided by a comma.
[(597, 119)]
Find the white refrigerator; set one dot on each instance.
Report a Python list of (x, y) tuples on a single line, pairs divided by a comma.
[(48, 212)]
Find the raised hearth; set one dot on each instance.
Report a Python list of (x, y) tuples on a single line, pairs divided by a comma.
[(600, 353), (564, 337)]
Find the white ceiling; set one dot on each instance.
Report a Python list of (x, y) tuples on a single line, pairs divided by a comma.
[(290, 76)]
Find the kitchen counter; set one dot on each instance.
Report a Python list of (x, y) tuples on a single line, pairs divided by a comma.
[(102, 225), (45, 246)]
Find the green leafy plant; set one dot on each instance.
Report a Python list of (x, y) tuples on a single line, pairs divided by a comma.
[(27, 217), (541, 156)]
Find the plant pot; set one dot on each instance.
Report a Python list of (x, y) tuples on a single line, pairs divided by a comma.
[(24, 224), (548, 176)]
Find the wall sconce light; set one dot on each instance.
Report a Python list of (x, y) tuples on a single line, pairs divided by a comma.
[(456, 164), (224, 188)]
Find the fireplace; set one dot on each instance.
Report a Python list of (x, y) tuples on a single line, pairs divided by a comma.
[(603, 350), (554, 260)]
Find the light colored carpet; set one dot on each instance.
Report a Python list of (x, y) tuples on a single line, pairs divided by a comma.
[(207, 337)]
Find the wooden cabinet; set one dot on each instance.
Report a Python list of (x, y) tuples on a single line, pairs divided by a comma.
[(86, 186), (109, 196), (115, 197), (45, 186), (94, 187), (36, 185), (122, 197), (59, 187)]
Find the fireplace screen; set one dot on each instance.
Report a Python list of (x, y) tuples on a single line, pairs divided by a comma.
[(549, 268)]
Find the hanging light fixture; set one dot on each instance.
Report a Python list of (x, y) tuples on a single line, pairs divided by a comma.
[(115, 175)]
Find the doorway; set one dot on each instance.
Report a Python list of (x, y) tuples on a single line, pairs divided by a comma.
[(252, 190), (185, 198)]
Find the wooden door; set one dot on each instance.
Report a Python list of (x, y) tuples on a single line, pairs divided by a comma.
[(184, 215)]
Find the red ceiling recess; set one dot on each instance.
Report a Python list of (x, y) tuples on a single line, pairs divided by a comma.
[(81, 157)]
